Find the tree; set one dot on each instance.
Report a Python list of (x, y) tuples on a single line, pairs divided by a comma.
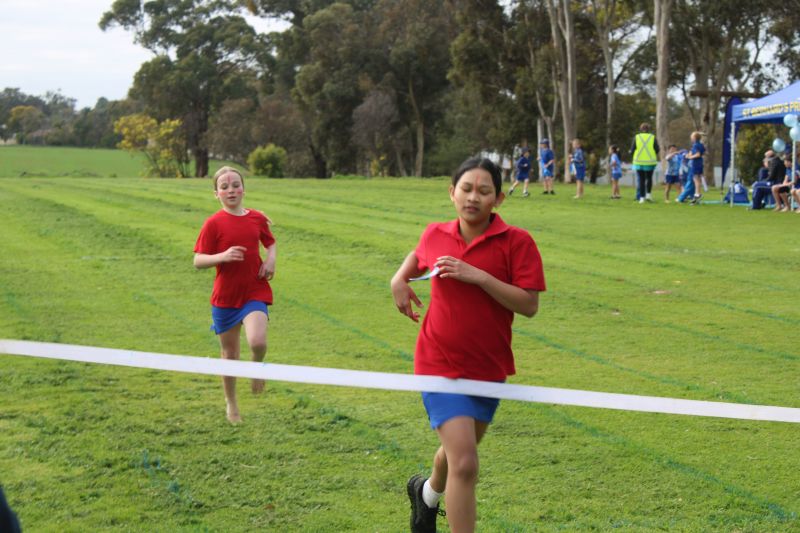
[(161, 143), (415, 36), (24, 120), (614, 22), (331, 84), (203, 53), (718, 37), (562, 29), (663, 14), (375, 123)]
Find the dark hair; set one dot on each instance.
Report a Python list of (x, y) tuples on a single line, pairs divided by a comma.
[(644, 126), (615, 148), (485, 164)]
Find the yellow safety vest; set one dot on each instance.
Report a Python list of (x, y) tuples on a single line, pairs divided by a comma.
[(645, 153)]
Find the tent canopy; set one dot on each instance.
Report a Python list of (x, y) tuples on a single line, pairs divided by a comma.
[(771, 108)]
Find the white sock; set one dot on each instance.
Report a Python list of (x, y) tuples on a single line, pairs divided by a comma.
[(430, 496)]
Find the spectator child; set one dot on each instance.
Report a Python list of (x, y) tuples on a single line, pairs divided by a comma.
[(547, 163), (696, 154), (672, 176), (578, 162), (487, 272), (523, 173), (781, 191), (615, 165), (229, 241)]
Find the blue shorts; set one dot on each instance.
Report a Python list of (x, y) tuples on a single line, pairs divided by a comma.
[(547, 173), (442, 406), (670, 179), (616, 177), (227, 317), (580, 173), (526, 177)]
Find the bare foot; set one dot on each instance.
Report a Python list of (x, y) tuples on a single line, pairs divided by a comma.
[(257, 386), (233, 414)]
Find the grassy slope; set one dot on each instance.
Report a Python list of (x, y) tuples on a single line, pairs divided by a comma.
[(107, 263), (47, 161)]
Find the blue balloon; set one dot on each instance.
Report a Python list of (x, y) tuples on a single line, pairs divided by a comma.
[(778, 145), (790, 120), (794, 133)]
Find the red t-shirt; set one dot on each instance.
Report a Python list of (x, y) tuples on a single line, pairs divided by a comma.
[(237, 282), (466, 333)]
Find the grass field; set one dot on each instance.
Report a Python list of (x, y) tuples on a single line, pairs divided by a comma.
[(40, 161), (663, 300)]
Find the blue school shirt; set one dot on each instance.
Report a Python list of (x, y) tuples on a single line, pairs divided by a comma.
[(683, 163), (616, 166), (697, 164), (546, 155), (523, 167), (577, 158), (674, 164)]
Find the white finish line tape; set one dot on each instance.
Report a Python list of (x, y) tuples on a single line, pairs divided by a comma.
[(402, 382)]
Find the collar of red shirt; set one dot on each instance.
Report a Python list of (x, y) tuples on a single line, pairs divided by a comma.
[(496, 227)]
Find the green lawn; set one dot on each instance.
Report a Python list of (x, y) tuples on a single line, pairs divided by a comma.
[(47, 161), (663, 300)]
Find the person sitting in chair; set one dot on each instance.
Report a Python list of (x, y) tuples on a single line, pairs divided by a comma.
[(780, 191)]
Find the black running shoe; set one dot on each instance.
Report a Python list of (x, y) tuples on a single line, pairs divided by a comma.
[(423, 518)]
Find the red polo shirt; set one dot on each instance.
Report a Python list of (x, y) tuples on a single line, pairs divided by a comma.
[(237, 282), (466, 333)]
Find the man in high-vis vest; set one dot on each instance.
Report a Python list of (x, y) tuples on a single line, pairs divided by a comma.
[(645, 159)]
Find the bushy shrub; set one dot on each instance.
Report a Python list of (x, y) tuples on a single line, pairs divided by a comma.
[(269, 160), (752, 142)]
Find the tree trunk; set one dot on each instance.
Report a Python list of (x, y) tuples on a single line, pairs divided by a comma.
[(420, 131), (320, 164), (562, 29), (663, 10), (201, 162)]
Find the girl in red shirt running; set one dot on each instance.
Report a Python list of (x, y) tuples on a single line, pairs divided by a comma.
[(485, 271), (229, 241)]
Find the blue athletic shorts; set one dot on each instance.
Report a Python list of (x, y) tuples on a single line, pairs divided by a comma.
[(522, 178), (616, 177), (227, 317), (442, 406), (670, 179), (580, 173)]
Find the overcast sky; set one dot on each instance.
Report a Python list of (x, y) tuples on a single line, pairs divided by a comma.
[(57, 45)]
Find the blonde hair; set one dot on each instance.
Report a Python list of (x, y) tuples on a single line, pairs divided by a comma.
[(225, 170), (696, 135)]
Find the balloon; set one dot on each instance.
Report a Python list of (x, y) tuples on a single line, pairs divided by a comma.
[(794, 133), (790, 120), (778, 145)]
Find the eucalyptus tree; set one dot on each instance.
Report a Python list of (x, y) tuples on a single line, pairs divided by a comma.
[(202, 52), (717, 37)]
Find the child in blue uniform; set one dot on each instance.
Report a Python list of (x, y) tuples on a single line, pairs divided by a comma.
[(672, 176), (578, 161), (615, 165), (523, 173), (685, 177), (547, 162), (696, 154)]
